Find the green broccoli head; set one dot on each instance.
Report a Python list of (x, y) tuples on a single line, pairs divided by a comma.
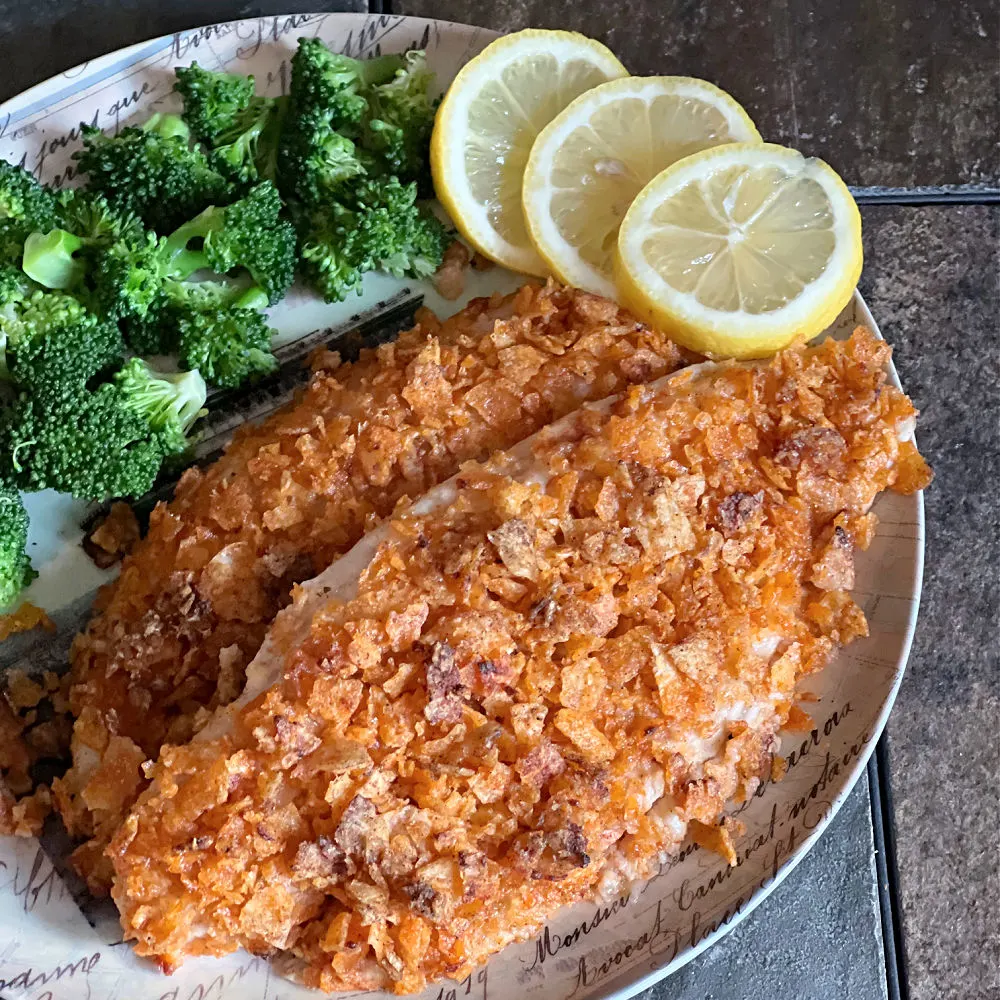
[(152, 172), (328, 160), (15, 287), (240, 129), (95, 220), (383, 229), (401, 120), (228, 346), (15, 566), (195, 307), (53, 345), (105, 442), (106, 257), (247, 234), (13, 233), (127, 277), (154, 331), (88, 443), (213, 102), (327, 105), (48, 340), (24, 200), (169, 402), (325, 79)]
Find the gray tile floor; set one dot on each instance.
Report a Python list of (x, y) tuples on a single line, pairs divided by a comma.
[(931, 280), (903, 97)]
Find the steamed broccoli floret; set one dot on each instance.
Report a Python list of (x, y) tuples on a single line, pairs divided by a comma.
[(95, 220), (170, 402), (15, 287), (382, 228), (48, 340), (106, 442), (152, 332), (325, 79), (13, 233), (87, 443), (152, 172), (15, 567), (246, 234), (25, 205), (24, 200), (125, 262), (212, 101), (136, 279), (52, 343), (122, 270), (327, 105), (325, 160), (240, 129), (354, 129), (401, 120), (128, 276), (158, 331), (106, 257), (228, 345)]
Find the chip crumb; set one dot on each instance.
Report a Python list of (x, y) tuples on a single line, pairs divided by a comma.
[(113, 536), (449, 278), (25, 618)]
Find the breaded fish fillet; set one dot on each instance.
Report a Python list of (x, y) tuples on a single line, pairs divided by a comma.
[(530, 686), (173, 635)]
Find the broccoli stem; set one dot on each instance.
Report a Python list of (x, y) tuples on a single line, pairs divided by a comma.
[(49, 260), (169, 126), (253, 298), (379, 70), (170, 402)]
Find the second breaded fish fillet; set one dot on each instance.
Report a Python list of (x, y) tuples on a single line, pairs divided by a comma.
[(173, 635), (528, 687)]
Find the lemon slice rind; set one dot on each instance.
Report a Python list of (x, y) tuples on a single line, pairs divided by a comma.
[(740, 334), (448, 142), (561, 257)]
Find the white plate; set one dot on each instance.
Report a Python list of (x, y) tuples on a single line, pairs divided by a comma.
[(52, 949)]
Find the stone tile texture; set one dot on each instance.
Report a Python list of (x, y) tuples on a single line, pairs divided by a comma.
[(931, 279), (898, 93), (39, 38)]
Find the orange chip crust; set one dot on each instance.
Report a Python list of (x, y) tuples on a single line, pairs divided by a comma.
[(539, 686)]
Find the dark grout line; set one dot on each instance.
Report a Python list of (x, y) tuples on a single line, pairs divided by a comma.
[(925, 196), (887, 874)]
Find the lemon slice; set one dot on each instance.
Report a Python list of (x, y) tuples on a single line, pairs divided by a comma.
[(487, 122), (591, 161), (741, 250)]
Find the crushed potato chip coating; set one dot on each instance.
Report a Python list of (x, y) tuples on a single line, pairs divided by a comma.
[(173, 635), (538, 685)]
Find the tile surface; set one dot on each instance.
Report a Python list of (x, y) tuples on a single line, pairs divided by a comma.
[(816, 937), (897, 93), (39, 38), (931, 279)]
